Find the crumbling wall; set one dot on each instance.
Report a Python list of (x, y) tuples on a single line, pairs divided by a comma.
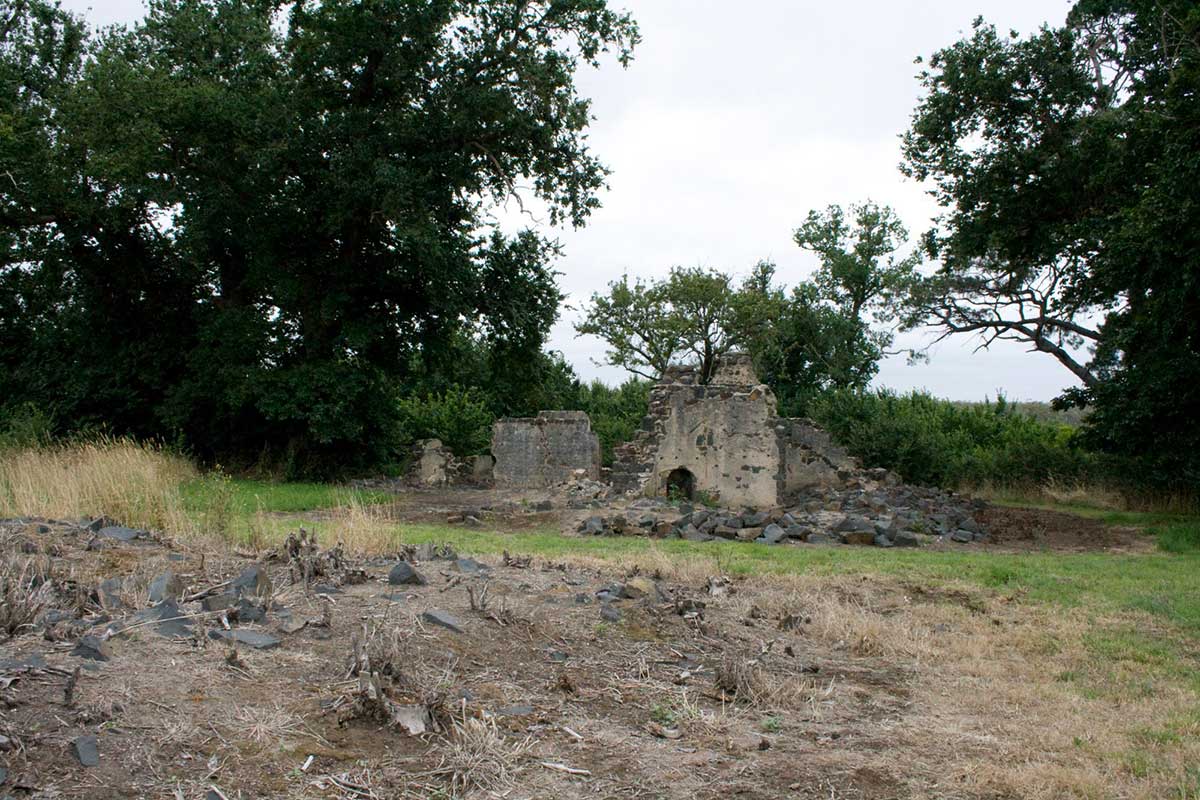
[(534, 452), (728, 437), (725, 438)]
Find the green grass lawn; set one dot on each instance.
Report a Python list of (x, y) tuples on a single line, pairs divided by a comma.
[(249, 496), (1162, 584)]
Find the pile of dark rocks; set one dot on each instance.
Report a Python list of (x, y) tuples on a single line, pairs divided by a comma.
[(883, 516)]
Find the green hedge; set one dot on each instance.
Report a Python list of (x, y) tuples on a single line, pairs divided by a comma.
[(940, 443)]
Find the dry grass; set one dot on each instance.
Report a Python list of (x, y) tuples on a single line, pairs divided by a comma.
[(25, 591), (477, 757), (136, 484), (363, 529)]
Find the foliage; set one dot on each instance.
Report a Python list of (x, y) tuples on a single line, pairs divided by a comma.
[(1179, 537), (616, 413), (252, 223), (859, 270), (1067, 166), (461, 420), (936, 442), (647, 326), (25, 425)]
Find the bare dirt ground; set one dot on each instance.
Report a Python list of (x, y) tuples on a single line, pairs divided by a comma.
[(566, 681)]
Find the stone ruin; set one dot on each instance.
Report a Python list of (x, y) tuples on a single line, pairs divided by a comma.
[(552, 448), (725, 443)]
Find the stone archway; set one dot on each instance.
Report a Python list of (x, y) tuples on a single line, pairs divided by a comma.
[(681, 484)]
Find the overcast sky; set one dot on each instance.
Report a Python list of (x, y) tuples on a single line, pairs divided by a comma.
[(736, 119)]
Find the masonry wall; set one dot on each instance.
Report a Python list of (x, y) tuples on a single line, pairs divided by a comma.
[(535, 452), (726, 438)]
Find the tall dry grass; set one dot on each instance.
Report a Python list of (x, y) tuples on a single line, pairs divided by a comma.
[(136, 484)]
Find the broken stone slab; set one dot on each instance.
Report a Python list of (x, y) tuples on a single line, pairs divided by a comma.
[(86, 750), (772, 534), (906, 539), (822, 538), (403, 573), (254, 639), (882, 541), (442, 619), (962, 536), (172, 621), (860, 538), (92, 648), (638, 587), (253, 580), (469, 566), (218, 602), (725, 532), (166, 586), (592, 526), (122, 534)]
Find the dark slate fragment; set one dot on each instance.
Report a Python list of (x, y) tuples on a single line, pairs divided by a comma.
[(255, 639), (87, 750), (121, 533), (403, 573), (92, 648), (442, 619)]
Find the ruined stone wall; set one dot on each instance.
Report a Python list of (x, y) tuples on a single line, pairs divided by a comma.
[(534, 452), (728, 436)]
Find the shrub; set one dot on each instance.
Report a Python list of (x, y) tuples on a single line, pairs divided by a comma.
[(615, 413), (456, 416), (940, 443)]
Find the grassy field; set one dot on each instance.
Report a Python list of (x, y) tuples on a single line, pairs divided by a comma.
[(1115, 636)]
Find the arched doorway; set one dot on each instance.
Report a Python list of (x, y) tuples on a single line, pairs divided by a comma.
[(681, 484)]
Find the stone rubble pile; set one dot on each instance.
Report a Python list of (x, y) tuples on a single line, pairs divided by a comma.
[(870, 511)]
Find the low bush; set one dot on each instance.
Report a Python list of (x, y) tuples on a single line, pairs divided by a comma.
[(456, 416), (940, 443), (615, 412)]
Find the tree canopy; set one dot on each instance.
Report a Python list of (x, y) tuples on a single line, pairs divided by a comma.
[(1066, 164), (250, 224)]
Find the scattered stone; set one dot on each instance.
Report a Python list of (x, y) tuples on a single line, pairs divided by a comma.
[(882, 541), (859, 537), (515, 711), (404, 573), (822, 538), (92, 648), (442, 619), (962, 536), (166, 586), (86, 750), (172, 621), (593, 526), (253, 580), (469, 566), (609, 613), (248, 611), (543, 505), (121, 533), (254, 639), (218, 602), (638, 587), (906, 539), (772, 534)]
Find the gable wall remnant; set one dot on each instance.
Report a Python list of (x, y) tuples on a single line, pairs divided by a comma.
[(551, 448)]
